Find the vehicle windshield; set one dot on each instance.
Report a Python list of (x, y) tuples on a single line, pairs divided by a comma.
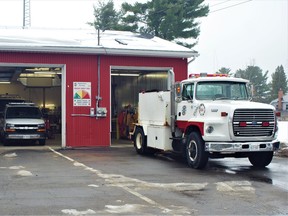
[(23, 112), (3, 103), (218, 90)]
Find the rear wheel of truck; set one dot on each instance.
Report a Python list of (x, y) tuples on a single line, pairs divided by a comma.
[(261, 159), (195, 151), (140, 141)]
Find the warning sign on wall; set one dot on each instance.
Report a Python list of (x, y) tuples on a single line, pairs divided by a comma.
[(82, 93)]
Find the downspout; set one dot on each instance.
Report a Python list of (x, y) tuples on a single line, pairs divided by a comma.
[(98, 97), (172, 99)]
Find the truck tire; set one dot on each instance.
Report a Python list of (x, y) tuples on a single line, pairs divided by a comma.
[(195, 151), (261, 159), (42, 142), (140, 141), (6, 142)]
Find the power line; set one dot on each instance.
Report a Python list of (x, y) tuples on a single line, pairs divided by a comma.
[(219, 3), (230, 6)]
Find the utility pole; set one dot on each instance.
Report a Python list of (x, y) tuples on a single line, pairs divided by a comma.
[(26, 14)]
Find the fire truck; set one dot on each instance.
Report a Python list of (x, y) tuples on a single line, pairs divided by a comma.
[(206, 116)]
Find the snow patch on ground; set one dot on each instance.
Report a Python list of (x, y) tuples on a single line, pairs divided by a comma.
[(16, 167), (282, 136), (127, 208), (24, 173), (235, 186), (93, 185), (11, 155), (76, 212), (132, 208), (77, 164)]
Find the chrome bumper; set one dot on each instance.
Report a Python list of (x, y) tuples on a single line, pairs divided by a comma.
[(25, 136), (230, 147)]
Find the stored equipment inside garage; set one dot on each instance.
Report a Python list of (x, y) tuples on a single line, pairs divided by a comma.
[(39, 85), (89, 62), (125, 87)]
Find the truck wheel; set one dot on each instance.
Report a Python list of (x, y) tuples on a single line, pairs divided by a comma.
[(42, 142), (195, 151), (140, 141), (261, 159), (6, 142)]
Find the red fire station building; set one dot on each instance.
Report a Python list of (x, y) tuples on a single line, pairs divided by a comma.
[(86, 80)]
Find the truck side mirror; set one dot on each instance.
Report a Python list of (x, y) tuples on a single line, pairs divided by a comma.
[(178, 91)]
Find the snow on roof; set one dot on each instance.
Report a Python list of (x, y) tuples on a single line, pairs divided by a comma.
[(285, 99), (86, 41)]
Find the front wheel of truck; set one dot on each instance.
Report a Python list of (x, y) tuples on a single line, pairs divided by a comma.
[(195, 151), (42, 142), (140, 141), (261, 159)]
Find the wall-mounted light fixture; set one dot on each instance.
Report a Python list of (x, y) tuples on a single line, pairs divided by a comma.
[(125, 74)]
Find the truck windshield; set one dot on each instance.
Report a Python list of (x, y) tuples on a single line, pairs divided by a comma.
[(23, 112), (218, 90)]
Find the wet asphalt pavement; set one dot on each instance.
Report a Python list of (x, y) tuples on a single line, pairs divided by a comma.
[(116, 181)]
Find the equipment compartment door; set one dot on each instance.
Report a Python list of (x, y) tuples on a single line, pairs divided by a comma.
[(159, 137)]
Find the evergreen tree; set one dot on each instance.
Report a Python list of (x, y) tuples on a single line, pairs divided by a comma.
[(173, 20), (224, 70), (279, 81), (258, 80), (106, 17)]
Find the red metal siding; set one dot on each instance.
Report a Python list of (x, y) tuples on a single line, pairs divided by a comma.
[(86, 131)]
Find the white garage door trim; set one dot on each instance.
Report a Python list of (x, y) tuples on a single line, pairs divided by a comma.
[(63, 92)]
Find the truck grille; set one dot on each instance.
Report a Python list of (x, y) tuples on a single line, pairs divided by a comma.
[(26, 129), (248, 122)]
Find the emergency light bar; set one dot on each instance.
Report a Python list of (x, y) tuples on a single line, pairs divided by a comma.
[(207, 75)]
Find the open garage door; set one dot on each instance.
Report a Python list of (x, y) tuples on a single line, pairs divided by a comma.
[(38, 84), (126, 83)]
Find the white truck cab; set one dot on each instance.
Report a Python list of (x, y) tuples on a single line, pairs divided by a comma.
[(207, 116), (22, 121)]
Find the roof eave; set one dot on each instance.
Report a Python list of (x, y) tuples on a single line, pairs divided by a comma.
[(101, 50)]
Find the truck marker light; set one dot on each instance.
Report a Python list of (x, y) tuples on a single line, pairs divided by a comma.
[(224, 114), (278, 114), (242, 124), (41, 130), (265, 124), (10, 130)]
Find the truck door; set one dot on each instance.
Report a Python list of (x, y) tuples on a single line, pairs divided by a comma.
[(185, 107)]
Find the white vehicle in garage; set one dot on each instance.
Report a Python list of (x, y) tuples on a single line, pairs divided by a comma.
[(22, 121), (206, 117)]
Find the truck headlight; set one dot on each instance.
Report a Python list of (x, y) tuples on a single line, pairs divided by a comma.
[(209, 129), (10, 128), (41, 128)]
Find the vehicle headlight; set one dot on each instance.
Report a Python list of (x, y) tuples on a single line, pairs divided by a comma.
[(41, 126), (10, 128)]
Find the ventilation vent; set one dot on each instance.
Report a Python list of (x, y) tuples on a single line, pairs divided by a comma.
[(121, 41)]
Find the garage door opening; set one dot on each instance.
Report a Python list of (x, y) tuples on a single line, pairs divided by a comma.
[(38, 84), (126, 84)]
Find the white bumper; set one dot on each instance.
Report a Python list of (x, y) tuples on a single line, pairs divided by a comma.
[(231, 147)]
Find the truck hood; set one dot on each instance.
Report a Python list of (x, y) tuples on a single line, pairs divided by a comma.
[(242, 104), (231, 105), (18, 121)]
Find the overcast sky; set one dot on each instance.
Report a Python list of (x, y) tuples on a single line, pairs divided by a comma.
[(236, 34)]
